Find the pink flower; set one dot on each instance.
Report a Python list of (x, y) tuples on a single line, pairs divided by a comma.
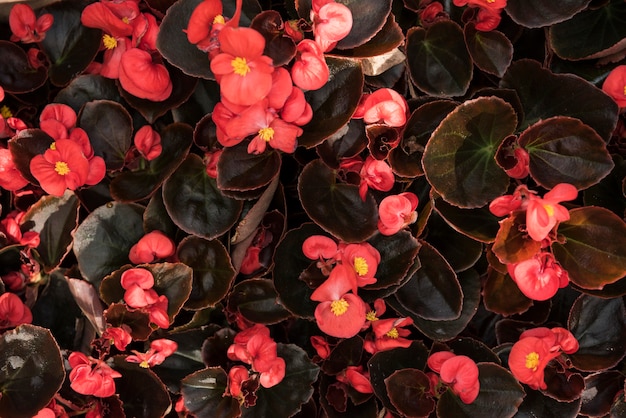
[(243, 72), (148, 142), (319, 247), (356, 377), (386, 106), (615, 85), (13, 311), (153, 246), (309, 71), (540, 277), (10, 177), (460, 373), (528, 359), (159, 350), (236, 376), (118, 336), (332, 22), (543, 214), (26, 27), (91, 377), (321, 346), (396, 212), (375, 174)]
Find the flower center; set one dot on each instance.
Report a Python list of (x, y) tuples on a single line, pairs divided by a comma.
[(266, 134), (360, 266), (109, 41), (219, 19), (127, 21), (5, 112), (371, 316), (624, 90), (53, 146), (61, 168), (144, 364), (491, 1), (240, 66), (339, 307), (532, 361), (549, 209), (393, 333)]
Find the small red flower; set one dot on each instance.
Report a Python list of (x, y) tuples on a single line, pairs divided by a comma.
[(61, 167), (114, 18), (319, 247), (243, 72), (460, 373), (375, 174), (13, 311), (159, 350), (309, 71), (543, 214), (385, 106), (148, 142), (486, 4), (395, 212), (321, 346), (236, 376), (25, 26), (615, 85), (389, 333), (528, 359), (142, 77), (91, 377), (332, 22), (10, 177), (118, 336), (153, 246), (539, 277), (362, 261), (356, 377)]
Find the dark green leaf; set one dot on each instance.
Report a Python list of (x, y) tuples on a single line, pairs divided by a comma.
[(537, 13), (386, 39), (565, 150), (132, 186), (195, 203), (479, 224), (257, 301), (24, 146), (140, 390), (502, 296), (238, 170), (438, 60), (491, 51), (102, 241), (347, 352), (409, 392), (110, 128), (203, 392), (86, 88), (336, 207), (536, 404), (16, 73), (599, 325), (459, 158), (594, 252), (608, 193), (600, 391), (55, 219), (31, 370)]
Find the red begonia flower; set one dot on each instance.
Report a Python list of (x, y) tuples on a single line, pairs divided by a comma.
[(14, 280), (145, 31), (309, 71), (363, 260), (321, 346), (118, 336), (375, 174), (357, 378), (211, 159), (62, 167), (236, 376), (281, 88), (461, 373), (318, 247), (488, 19), (296, 109), (539, 277), (114, 50), (543, 214), (436, 360), (12, 229), (243, 72), (615, 85), (13, 312), (153, 246), (389, 333), (395, 212), (202, 19), (91, 377), (273, 374), (557, 339), (528, 359), (148, 142), (143, 78), (10, 177), (137, 277), (157, 312), (521, 168), (486, 4), (25, 26), (251, 261), (332, 22), (385, 106), (159, 350), (114, 18), (61, 113)]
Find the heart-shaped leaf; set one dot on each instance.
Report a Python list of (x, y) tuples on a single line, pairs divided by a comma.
[(336, 207), (491, 51), (16, 73), (438, 60), (433, 292), (130, 186), (102, 241), (594, 251), (55, 219), (257, 301), (109, 127), (565, 150), (31, 370), (409, 391), (459, 158), (334, 103), (238, 170), (599, 325), (388, 38), (195, 203), (559, 95), (213, 274), (537, 13)]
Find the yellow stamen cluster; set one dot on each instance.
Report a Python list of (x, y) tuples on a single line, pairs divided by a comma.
[(625, 90), (5, 112), (491, 1), (240, 66), (532, 361), (125, 20), (53, 146), (266, 134), (549, 209), (144, 364), (360, 266), (109, 41), (219, 19), (339, 307), (393, 333), (371, 316), (61, 168)]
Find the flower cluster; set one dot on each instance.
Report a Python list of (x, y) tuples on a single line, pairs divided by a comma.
[(349, 266), (459, 373), (386, 333), (540, 276), (90, 376), (535, 349), (139, 294)]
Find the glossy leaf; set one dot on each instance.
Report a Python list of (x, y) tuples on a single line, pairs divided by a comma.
[(599, 325), (460, 251), (433, 291), (502, 296), (336, 207), (213, 274), (334, 103), (386, 39), (102, 241), (459, 158), (594, 251), (55, 219), (31, 370), (565, 150), (383, 364), (537, 13), (109, 127), (142, 393), (86, 88), (203, 392), (491, 51), (438, 60), (118, 314), (24, 146), (257, 301), (278, 46), (512, 244), (131, 186), (559, 95), (479, 224), (608, 193), (88, 300), (16, 73), (600, 391), (537, 404), (238, 170), (347, 352), (69, 45), (195, 203), (409, 392), (593, 33), (329, 388), (500, 395)]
